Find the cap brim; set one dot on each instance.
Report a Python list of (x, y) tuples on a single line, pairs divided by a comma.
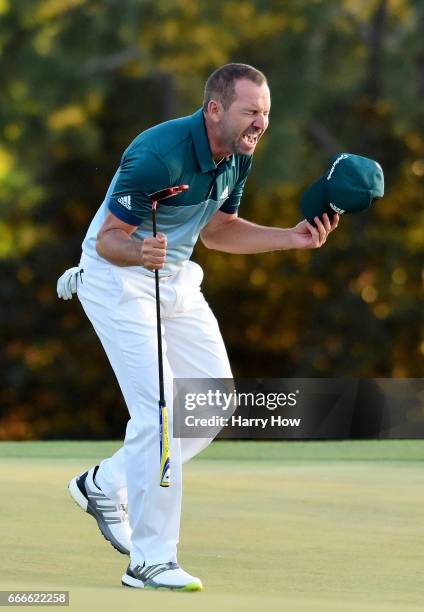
[(313, 202)]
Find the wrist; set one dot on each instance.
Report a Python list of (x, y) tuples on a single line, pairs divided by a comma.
[(138, 244), (287, 239)]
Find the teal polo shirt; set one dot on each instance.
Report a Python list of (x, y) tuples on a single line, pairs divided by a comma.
[(172, 153)]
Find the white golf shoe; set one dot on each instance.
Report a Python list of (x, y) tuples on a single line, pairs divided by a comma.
[(112, 518), (163, 576)]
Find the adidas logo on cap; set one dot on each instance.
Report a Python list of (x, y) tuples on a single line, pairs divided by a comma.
[(336, 209)]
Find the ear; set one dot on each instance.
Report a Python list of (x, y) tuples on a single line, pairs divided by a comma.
[(215, 110)]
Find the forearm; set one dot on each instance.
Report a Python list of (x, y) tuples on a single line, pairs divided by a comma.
[(243, 237), (119, 248)]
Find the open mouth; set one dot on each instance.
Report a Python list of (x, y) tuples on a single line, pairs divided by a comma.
[(250, 139)]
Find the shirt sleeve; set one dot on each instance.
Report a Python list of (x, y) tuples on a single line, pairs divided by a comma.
[(139, 175), (232, 203)]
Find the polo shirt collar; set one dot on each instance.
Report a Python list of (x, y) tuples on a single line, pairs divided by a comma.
[(201, 143)]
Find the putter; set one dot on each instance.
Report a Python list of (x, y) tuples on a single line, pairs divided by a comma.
[(165, 458)]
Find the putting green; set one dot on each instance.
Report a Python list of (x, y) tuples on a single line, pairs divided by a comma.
[(315, 526)]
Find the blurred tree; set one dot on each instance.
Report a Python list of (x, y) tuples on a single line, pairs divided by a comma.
[(79, 79)]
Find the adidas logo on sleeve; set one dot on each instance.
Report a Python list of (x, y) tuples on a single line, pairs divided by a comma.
[(125, 201), (224, 194)]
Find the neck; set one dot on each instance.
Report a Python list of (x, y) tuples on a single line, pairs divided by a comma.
[(218, 150)]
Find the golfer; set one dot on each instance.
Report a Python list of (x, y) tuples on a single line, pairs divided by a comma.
[(211, 151)]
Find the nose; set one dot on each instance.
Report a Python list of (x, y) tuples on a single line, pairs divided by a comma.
[(261, 122)]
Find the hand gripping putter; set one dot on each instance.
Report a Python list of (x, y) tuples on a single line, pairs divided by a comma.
[(165, 459)]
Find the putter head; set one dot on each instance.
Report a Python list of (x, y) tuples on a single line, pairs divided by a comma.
[(167, 193)]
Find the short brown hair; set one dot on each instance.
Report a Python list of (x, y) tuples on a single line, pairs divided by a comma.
[(220, 84)]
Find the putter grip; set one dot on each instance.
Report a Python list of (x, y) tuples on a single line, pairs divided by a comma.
[(165, 465)]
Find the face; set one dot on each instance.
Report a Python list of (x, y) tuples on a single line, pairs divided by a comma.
[(241, 126)]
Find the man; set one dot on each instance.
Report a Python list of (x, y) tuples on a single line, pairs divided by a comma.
[(211, 151)]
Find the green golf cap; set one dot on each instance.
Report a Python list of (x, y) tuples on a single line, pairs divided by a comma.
[(351, 184)]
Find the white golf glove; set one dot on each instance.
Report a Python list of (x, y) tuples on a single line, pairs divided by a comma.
[(67, 283)]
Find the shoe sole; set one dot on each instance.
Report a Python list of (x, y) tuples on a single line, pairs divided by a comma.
[(129, 581), (82, 502)]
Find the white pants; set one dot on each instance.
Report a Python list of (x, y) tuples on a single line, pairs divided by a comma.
[(120, 303)]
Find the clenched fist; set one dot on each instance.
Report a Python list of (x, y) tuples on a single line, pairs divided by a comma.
[(153, 252)]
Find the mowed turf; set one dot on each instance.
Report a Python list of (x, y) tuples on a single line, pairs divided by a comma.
[(310, 527)]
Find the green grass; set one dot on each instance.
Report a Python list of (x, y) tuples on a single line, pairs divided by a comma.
[(296, 526)]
